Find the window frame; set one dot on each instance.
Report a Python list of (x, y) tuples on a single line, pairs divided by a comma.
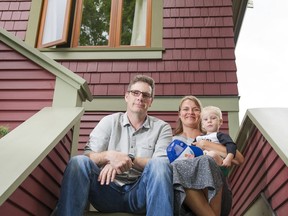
[(154, 52), (65, 31), (114, 31)]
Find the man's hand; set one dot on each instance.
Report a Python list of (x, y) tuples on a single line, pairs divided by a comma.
[(107, 174), (119, 161)]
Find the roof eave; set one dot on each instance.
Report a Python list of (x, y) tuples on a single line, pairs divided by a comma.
[(239, 9)]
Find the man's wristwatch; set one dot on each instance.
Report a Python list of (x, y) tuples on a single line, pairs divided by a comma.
[(132, 157)]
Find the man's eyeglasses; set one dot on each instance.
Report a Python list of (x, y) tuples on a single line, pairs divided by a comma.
[(137, 93)]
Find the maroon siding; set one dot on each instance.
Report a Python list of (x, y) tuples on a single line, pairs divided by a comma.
[(90, 120), (225, 127), (263, 171), (25, 88), (198, 59), (14, 16), (38, 194)]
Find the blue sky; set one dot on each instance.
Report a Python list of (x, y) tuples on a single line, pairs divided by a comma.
[(262, 56)]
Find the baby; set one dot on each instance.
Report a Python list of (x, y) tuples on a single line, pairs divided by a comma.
[(211, 118)]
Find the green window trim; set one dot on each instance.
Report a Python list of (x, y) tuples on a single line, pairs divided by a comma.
[(154, 52)]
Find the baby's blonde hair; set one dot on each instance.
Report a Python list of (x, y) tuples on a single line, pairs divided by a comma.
[(213, 109)]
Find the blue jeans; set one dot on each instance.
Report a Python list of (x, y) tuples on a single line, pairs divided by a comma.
[(151, 194)]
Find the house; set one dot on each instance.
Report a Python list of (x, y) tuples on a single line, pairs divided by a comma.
[(56, 86)]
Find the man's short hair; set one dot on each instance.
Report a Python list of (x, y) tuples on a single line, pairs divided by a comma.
[(143, 78)]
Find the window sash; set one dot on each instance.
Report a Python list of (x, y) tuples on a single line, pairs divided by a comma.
[(61, 37), (52, 16), (115, 25)]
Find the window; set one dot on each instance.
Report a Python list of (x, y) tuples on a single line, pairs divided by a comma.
[(54, 23), (96, 23)]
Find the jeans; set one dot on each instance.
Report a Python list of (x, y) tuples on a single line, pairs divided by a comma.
[(151, 194)]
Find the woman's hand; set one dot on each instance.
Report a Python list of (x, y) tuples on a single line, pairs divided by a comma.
[(220, 149), (200, 144)]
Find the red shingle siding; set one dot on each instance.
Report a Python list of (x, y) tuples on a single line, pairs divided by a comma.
[(38, 194), (25, 88), (91, 119), (263, 171), (198, 59), (14, 16)]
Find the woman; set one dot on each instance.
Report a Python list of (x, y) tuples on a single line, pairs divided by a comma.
[(200, 186)]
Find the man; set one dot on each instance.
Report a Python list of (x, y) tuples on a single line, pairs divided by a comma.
[(125, 168)]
